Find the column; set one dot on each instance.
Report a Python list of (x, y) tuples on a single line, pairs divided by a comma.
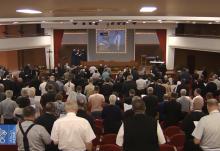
[(49, 51), (170, 52)]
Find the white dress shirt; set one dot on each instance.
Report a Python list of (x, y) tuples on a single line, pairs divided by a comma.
[(207, 131), (68, 87), (120, 136), (71, 133), (42, 87), (141, 84)]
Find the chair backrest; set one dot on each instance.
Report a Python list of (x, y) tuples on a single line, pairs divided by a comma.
[(96, 141), (167, 147), (109, 147), (177, 140), (99, 122), (99, 130), (172, 130), (109, 139)]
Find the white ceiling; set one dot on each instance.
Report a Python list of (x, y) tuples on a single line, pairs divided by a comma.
[(113, 8)]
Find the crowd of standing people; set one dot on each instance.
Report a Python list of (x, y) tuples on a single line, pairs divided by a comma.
[(58, 109)]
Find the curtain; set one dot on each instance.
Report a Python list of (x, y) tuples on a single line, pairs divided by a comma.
[(162, 37), (58, 36)]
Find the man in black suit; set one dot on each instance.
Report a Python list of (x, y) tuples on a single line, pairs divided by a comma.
[(111, 116), (159, 90), (107, 89), (172, 111), (188, 123), (151, 102), (47, 120), (211, 86), (83, 113), (140, 132), (128, 99), (128, 84)]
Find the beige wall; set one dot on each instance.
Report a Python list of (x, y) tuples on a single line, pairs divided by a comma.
[(9, 59), (32, 56)]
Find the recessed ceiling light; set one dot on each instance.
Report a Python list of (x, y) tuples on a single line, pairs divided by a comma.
[(93, 22), (15, 22), (148, 9), (194, 22), (160, 21), (210, 22), (144, 22), (127, 22), (28, 11), (100, 20)]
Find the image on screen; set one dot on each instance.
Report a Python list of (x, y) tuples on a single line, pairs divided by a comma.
[(7, 134), (111, 41)]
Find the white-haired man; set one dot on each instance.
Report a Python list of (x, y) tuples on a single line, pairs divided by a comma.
[(72, 133), (7, 108), (206, 133), (112, 116)]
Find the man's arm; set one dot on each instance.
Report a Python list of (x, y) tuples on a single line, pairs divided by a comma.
[(45, 136), (120, 136), (198, 132), (160, 135), (89, 136), (197, 141), (89, 146), (54, 134)]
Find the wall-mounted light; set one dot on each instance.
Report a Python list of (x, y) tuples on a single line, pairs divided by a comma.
[(28, 11)]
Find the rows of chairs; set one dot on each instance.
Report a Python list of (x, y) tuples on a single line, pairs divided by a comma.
[(174, 135)]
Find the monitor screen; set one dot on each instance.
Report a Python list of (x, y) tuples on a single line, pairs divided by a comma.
[(7, 134), (111, 41)]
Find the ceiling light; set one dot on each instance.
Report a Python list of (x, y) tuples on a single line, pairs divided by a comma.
[(93, 22), (15, 22), (28, 11), (194, 22), (210, 23), (148, 9), (100, 20), (160, 21), (144, 22), (127, 22)]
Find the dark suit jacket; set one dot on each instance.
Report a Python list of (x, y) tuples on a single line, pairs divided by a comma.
[(47, 120), (112, 117), (83, 114), (188, 125), (211, 87), (127, 85), (172, 112), (151, 103)]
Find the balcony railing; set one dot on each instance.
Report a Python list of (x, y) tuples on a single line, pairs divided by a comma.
[(21, 35), (198, 36)]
